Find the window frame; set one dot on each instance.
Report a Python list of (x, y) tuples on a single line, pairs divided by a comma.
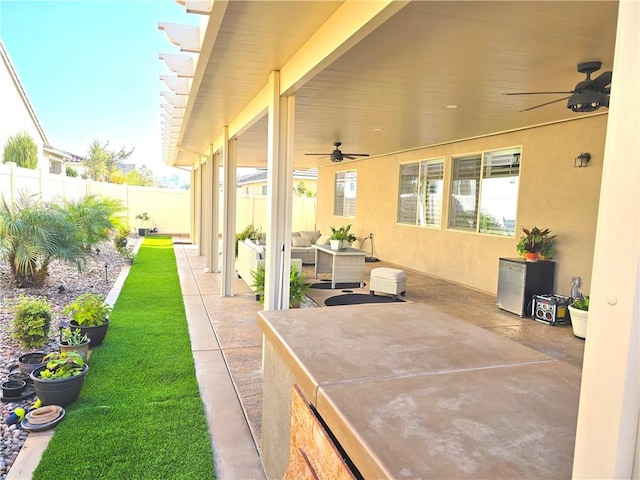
[(347, 207), (485, 172), (418, 192)]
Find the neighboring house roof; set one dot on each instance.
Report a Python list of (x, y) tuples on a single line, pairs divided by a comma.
[(64, 155), (20, 89), (261, 176)]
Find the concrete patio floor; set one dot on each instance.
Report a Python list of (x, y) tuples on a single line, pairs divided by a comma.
[(227, 348)]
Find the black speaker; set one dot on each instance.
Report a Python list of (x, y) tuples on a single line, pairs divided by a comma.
[(551, 309)]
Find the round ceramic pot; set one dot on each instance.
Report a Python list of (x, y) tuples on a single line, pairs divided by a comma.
[(95, 333), (29, 361), (82, 349), (13, 388), (60, 391), (579, 321)]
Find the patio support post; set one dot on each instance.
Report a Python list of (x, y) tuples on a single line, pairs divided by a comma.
[(229, 161), (200, 208), (192, 197), (279, 196), (607, 436), (206, 214), (215, 217), (197, 199)]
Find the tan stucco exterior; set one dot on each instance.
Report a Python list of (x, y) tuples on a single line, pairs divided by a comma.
[(553, 193)]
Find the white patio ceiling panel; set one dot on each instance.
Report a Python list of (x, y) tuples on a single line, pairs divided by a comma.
[(400, 78)]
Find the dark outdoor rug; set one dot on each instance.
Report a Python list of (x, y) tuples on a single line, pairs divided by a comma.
[(339, 286), (358, 298)]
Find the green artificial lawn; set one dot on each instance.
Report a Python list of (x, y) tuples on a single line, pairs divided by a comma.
[(139, 415)]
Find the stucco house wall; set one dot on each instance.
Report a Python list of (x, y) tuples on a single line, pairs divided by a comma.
[(552, 193), (16, 113)]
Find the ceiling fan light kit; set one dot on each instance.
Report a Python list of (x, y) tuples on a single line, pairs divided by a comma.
[(587, 102)]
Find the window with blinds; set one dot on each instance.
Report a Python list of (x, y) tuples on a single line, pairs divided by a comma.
[(420, 193), (484, 192), (344, 202)]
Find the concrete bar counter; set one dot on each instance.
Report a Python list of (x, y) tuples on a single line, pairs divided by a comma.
[(409, 392)]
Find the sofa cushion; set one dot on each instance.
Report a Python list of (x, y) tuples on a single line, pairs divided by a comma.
[(312, 234), (301, 241), (295, 234)]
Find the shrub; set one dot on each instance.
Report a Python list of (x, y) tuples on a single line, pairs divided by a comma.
[(32, 321), (70, 171), (22, 150)]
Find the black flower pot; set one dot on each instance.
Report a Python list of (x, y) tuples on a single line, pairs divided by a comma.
[(60, 391), (13, 388), (29, 361), (95, 333)]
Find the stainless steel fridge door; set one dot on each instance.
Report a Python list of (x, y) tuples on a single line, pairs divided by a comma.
[(511, 287)]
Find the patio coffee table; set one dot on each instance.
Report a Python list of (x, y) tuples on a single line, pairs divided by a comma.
[(345, 265)]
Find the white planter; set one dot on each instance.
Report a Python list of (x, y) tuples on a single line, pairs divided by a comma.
[(579, 321), (335, 244)]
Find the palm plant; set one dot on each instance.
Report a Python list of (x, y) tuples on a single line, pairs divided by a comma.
[(32, 234), (95, 216)]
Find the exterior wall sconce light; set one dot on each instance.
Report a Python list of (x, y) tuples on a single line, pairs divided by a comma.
[(581, 160)]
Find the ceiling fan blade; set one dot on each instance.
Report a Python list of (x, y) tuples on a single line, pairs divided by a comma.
[(351, 156), (539, 93), (600, 81), (545, 104)]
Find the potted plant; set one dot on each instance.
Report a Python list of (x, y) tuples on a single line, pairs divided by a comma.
[(90, 314), (579, 312), (536, 243), (73, 340), (341, 237), (143, 217), (297, 285), (32, 321), (60, 380)]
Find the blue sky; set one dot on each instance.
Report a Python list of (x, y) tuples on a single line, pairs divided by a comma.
[(91, 70)]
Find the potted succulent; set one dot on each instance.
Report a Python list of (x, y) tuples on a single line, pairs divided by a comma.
[(143, 217), (60, 380), (90, 315), (73, 340), (297, 285), (341, 237), (579, 312), (536, 243)]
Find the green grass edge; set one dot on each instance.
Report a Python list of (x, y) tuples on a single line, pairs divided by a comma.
[(139, 415)]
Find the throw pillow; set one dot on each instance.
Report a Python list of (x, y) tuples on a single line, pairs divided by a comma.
[(314, 235), (301, 241), (323, 240)]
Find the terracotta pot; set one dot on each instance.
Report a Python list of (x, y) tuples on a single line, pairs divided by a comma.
[(531, 257)]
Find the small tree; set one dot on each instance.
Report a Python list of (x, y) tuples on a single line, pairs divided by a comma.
[(22, 150)]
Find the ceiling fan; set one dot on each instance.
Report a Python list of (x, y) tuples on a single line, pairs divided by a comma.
[(338, 156), (587, 96)]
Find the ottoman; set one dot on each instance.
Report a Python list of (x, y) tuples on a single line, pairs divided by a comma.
[(388, 280)]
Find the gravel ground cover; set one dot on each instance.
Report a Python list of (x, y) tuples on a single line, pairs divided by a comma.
[(63, 286)]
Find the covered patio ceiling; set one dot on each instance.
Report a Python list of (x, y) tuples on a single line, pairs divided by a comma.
[(390, 90)]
